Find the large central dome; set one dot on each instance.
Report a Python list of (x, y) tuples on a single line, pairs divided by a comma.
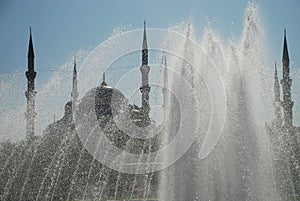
[(103, 101), (106, 98)]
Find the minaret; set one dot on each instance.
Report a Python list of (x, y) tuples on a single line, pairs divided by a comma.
[(188, 31), (277, 102), (165, 80), (74, 93), (145, 88), (286, 83), (187, 69), (30, 93)]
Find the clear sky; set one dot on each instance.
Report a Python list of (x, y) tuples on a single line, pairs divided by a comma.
[(60, 28)]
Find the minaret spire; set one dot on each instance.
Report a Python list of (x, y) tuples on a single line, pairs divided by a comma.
[(30, 47), (165, 80), (74, 93), (145, 47), (286, 83), (30, 93), (277, 102), (145, 88), (285, 55), (74, 84)]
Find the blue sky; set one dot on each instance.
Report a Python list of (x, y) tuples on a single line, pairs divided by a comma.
[(60, 28)]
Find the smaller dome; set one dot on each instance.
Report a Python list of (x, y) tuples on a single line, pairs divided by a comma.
[(68, 104), (134, 109), (68, 108), (136, 113)]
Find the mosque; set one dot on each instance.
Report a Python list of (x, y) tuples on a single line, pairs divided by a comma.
[(283, 133), (103, 93), (104, 101)]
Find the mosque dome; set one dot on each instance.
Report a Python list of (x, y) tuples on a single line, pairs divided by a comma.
[(68, 109), (102, 101), (106, 98)]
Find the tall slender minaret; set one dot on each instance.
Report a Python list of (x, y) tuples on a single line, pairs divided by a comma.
[(145, 88), (277, 102), (286, 83), (74, 93), (30, 93), (165, 80), (188, 30)]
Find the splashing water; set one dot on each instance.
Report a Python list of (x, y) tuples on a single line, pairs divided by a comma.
[(218, 102), (240, 166), (51, 97)]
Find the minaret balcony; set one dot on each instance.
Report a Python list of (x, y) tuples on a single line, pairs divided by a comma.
[(30, 74), (286, 81), (145, 88), (145, 69)]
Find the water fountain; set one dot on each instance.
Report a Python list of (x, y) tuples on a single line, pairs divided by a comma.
[(240, 166), (216, 105)]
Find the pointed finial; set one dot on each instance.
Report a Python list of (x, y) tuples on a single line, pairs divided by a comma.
[(285, 55), (103, 80), (30, 46)]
